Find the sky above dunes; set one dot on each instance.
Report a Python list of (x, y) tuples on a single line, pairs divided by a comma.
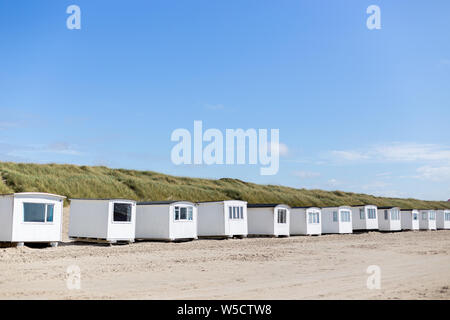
[(358, 110)]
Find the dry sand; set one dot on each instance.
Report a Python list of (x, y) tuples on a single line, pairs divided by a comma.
[(414, 265)]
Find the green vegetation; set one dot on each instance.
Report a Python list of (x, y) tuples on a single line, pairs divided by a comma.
[(101, 182)]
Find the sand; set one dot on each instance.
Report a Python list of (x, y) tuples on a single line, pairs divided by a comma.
[(414, 265)]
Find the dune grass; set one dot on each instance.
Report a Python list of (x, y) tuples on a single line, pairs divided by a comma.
[(101, 182)]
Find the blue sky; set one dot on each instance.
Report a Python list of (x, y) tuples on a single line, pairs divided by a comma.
[(358, 110)]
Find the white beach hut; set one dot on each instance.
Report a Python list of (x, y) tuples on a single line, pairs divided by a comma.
[(443, 219), (409, 219), (102, 220), (365, 217), (389, 219), (306, 221), (166, 220), (427, 220), (337, 220), (223, 219), (268, 220), (31, 217)]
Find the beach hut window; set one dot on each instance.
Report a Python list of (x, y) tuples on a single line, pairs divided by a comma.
[(362, 215), (424, 216), (345, 216), (372, 213), (282, 216), (230, 209), (50, 213), (183, 213), (395, 215), (415, 217), (38, 212), (122, 212), (313, 218), (432, 215), (236, 213), (335, 216), (447, 216), (386, 217)]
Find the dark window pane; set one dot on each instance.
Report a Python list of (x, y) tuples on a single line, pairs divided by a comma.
[(122, 212), (34, 212), (183, 215), (50, 213)]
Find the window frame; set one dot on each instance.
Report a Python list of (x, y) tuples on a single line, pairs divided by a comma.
[(122, 222), (362, 214), (369, 211), (189, 213), (46, 204), (397, 214), (335, 216), (236, 213), (347, 213), (313, 217), (432, 215), (282, 219)]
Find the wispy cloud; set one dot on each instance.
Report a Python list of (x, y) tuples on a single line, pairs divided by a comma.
[(395, 152), (283, 149), (333, 183), (434, 173), (8, 125), (34, 151), (306, 174), (349, 155), (384, 174)]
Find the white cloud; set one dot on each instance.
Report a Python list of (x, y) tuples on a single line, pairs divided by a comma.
[(306, 174), (31, 151), (384, 174), (282, 148), (412, 152), (333, 183), (374, 185), (349, 155), (396, 152), (434, 173), (8, 125)]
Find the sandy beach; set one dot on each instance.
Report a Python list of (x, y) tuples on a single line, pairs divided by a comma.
[(414, 265)]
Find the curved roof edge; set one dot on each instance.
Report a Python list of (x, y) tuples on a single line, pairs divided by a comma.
[(168, 202), (35, 194), (267, 205), (106, 199)]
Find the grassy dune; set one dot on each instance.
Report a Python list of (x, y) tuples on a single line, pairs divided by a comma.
[(102, 182)]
